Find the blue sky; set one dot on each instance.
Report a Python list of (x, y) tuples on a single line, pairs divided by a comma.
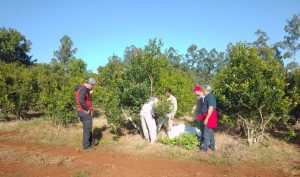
[(102, 28)]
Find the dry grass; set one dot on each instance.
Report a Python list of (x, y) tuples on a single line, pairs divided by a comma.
[(273, 153), (34, 158)]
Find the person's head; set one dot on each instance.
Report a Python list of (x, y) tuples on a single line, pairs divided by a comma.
[(198, 90), (168, 92), (207, 89), (90, 83)]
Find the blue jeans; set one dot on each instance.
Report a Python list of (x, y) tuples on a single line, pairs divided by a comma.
[(87, 123), (209, 139)]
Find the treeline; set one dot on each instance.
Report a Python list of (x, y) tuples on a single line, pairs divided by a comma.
[(253, 87)]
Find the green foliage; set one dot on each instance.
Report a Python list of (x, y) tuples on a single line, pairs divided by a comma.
[(293, 90), (203, 64), (186, 141), (41, 87), (65, 51), (18, 87), (108, 94), (291, 41), (162, 108), (252, 89), (14, 47), (181, 84), (144, 72)]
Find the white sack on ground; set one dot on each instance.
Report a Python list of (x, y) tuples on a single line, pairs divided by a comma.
[(182, 128)]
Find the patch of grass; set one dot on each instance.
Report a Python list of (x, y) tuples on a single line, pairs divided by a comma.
[(82, 174), (175, 154), (104, 142), (35, 158), (140, 146)]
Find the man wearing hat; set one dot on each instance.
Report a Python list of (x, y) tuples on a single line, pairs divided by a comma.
[(82, 95), (200, 101)]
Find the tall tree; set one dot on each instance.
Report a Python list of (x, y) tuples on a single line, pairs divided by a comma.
[(65, 51), (262, 39), (192, 56), (291, 40), (14, 47), (173, 57)]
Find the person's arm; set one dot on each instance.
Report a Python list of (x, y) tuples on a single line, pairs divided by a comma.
[(82, 94), (175, 106), (209, 112), (211, 102)]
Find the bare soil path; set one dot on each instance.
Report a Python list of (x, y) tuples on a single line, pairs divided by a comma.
[(19, 158)]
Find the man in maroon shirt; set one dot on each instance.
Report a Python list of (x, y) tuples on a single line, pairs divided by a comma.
[(82, 95)]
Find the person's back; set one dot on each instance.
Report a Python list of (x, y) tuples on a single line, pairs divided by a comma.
[(148, 121), (209, 100), (148, 106), (198, 110)]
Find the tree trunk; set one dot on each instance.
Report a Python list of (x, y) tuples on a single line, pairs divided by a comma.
[(151, 85), (250, 132)]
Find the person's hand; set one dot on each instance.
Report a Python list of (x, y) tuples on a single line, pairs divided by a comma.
[(91, 91), (205, 121), (87, 112)]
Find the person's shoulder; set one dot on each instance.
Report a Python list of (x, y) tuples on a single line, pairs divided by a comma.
[(212, 96), (78, 87), (84, 89), (173, 97)]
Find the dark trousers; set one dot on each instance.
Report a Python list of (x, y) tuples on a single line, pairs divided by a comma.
[(87, 123), (209, 139), (201, 127)]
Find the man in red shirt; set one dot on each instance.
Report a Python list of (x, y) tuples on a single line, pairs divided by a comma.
[(82, 95)]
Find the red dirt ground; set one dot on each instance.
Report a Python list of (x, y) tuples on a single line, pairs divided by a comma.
[(18, 158)]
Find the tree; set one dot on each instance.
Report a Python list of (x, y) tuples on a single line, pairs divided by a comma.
[(192, 56), (125, 85), (18, 88), (262, 39), (173, 57), (291, 40), (251, 90), (204, 64), (293, 79), (14, 47), (65, 51)]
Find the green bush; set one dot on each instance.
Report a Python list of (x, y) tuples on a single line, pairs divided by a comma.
[(143, 73), (186, 141), (251, 90), (162, 108)]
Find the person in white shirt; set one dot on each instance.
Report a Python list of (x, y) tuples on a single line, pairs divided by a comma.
[(148, 121), (171, 115)]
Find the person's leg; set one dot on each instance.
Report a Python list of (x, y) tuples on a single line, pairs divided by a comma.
[(86, 120), (212, 140), (152, 128), (91, 131), (144, 128), (206, 139), (201, 125), (170, 122)]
